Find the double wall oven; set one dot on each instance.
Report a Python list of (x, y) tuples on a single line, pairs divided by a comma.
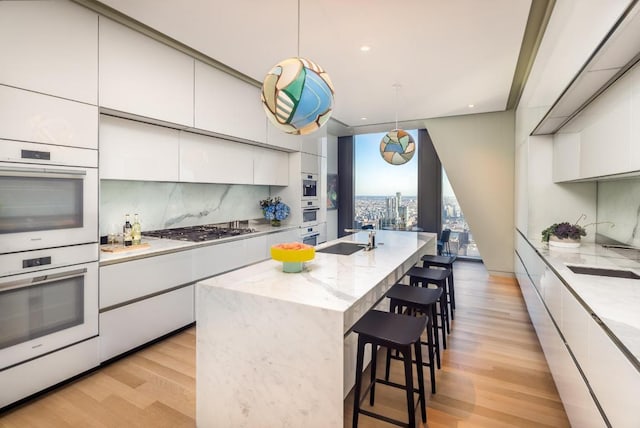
[(48, 249)]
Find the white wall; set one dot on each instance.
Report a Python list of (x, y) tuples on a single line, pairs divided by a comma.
[(477, 152)]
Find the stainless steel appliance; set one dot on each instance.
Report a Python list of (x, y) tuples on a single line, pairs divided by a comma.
[(48, 307), (309, 235), (48, 196), (206, 232), (309, 186)]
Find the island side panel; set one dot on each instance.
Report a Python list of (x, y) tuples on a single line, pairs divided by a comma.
[(265, 362)]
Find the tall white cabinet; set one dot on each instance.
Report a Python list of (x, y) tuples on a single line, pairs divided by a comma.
[(142, 76)]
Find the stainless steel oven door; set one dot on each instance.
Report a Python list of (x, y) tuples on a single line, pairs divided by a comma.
[(310, 239), (310, 216), (43, 311), (46, 206)]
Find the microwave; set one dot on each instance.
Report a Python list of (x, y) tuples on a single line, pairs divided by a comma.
[(309, 186)]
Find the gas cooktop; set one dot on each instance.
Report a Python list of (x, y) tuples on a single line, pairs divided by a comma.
[(207, 232)]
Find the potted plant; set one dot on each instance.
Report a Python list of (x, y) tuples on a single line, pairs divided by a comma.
[(566, 234), (274, 210)]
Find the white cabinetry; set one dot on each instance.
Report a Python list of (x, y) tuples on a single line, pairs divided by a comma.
[(322, 230), (50, 47), (566, 157), (270, 167), (227, 105), (130, 326), (145, 77), (29, 116), (132, 150), (213, 160), (309, 163), (278, 138)]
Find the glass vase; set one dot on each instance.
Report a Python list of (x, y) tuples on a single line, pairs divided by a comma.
[(275, 223)]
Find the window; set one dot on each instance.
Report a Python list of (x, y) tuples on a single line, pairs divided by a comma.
[(385, 194), (461, 240)]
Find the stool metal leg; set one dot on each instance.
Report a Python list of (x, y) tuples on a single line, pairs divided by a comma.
[(432, 369), (374, 360), (436, 338)]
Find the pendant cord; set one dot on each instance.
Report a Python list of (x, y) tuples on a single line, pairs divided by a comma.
[(298, 28), (396, 86)]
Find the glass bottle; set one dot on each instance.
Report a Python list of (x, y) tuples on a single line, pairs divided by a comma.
[(127, 231), (136, 233)]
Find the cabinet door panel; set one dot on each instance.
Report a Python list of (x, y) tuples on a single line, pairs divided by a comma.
[(50, 47), (142, 76), (129, 326), (132, 150), (227, 105), (575, 322), (270, 167), (213, 160), (29, 116), (566, 157)]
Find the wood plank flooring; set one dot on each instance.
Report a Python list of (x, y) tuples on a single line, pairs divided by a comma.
[(494, 375)]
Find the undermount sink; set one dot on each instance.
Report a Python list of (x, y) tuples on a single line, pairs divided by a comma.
[(342, 248), (615, 273)]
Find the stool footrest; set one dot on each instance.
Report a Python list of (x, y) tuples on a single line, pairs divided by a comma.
[(384, 418)]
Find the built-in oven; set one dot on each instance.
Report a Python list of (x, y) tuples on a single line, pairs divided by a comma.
[(48, 307), (309, 235), (309, 186), (48, 196), (310, 211)]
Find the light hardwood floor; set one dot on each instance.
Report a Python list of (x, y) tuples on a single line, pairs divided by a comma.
[(494, 375)]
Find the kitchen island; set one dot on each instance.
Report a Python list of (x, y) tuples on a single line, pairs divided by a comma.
[(275, 348)]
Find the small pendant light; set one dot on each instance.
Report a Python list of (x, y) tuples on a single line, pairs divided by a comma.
[(397, 147)]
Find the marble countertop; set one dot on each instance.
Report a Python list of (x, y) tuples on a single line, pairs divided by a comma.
[(616, 301), (334, 282), (159, 246)]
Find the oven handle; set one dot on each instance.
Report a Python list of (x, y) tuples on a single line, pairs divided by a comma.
[(42, 279), (16, 171)]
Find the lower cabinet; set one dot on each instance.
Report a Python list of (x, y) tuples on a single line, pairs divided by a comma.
[(127, 327), (593, 376)]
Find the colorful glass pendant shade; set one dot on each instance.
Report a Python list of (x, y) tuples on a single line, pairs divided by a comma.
[(297, 96), (397, 147)]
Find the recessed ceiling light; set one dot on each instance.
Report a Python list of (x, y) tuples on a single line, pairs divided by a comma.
[(365, 48), (471, 105), (363, 118)]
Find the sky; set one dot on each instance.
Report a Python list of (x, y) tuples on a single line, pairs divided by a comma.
[(375, 177)]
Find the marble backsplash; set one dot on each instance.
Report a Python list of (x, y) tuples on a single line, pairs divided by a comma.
[(163, 205), (619, 202)]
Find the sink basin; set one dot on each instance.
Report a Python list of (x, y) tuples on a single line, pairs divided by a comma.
[(616, 273), (342, 248)]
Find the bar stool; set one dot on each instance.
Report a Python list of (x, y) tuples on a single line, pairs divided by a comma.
[(397, 332), (447, 263), (438, 277), (423, 300)]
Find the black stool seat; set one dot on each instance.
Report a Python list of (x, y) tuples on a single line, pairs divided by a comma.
[(423, 300), (447, 263), (438, 277), (441, 261), (397, 332)]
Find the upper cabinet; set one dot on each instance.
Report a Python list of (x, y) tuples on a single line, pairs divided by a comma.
[(278, 138), (50, 47), (30, 116), (213, 160), (227, 105), (603, 137), (132, 150), (309, 164), (270, 167), (144, 77)]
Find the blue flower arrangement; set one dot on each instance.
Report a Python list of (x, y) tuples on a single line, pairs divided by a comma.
[(274, 210)]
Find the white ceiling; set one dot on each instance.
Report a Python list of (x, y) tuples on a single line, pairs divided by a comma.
[(444, 54)]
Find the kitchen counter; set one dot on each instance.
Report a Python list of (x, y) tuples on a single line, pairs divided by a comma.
[(614, 301), (159, 246), (275, 348)]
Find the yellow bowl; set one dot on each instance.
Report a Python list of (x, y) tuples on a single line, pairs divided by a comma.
[(292, 252)]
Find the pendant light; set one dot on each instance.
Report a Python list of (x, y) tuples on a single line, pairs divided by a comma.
[(397, 147), (297, 94)]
